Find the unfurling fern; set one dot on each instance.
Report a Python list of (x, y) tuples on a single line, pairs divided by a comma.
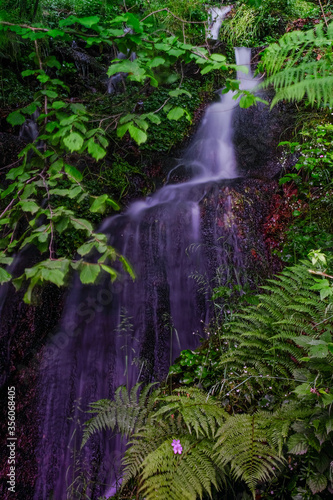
[(300, 65), (267, 335)]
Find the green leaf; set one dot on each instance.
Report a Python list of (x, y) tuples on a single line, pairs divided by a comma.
[(15, 118), (51, 61), (157, 61), (73, 141), (88, 22), (247, 100), (29, 206), (4, 276), (99, 204), (62, 224), (137, 134), (109, 270), (317, 483), (95, 150), (58, 104), (89, 273), (73, 172), (218, 57), (49, 93), (56, 276), (82, 224), (326, 398), (176, 113), (9, 190), (127, 266), (86, 248), (178, 92), (297, 444), (153, 118)]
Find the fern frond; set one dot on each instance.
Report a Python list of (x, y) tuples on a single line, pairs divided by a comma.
[(124, 414), (243, 444), (295, 70)]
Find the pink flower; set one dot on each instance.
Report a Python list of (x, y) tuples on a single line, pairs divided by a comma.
[(321, 156), (177, 447)]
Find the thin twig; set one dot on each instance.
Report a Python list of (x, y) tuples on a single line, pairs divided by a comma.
[(320, 273), (323, 13)]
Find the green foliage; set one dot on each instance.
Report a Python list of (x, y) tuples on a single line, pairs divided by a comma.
[(267, 338), (300, 65), (47, 172), (243, 442), (311, 176)]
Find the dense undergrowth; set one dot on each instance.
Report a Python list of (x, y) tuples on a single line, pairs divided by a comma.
[(249, 413)]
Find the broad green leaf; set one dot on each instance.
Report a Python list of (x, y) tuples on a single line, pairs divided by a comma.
[(31, 108), (74, 192), (153, 118), (137, 134), (135, 72), (86, 248), (51, 61), (89, 273), (109, 270), (62, 224), (49, 93), (297, 444), (326, 398), (99, 204), (15, 118), (157, 61), (178, 92), (29, 206), (317, 483), (82, 224), (88, 22), (6, 260), (73, 172), (176, 113), (56, 276), (4, 276), (95, 150), (246, 101), (9, 190), (58, 104), (73, 141), (218, 57)]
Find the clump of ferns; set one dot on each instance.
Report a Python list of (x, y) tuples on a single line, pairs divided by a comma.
[(265, 341), (300, 65), (214, 445)]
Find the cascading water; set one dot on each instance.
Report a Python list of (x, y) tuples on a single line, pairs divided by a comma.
[(119, 334), (215, 19)]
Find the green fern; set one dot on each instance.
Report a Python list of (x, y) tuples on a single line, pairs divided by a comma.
[(243, 443), (267, 335), (300, 65), (126, 413)]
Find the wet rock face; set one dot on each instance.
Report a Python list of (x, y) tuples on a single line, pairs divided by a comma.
[(257, 133), (10, 146)]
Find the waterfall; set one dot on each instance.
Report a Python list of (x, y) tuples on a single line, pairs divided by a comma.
[(126, 332), (215, 19)]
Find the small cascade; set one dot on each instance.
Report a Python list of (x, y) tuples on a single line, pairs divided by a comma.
[(215, 20), (128, 332), (115, 82), (29, 130)]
